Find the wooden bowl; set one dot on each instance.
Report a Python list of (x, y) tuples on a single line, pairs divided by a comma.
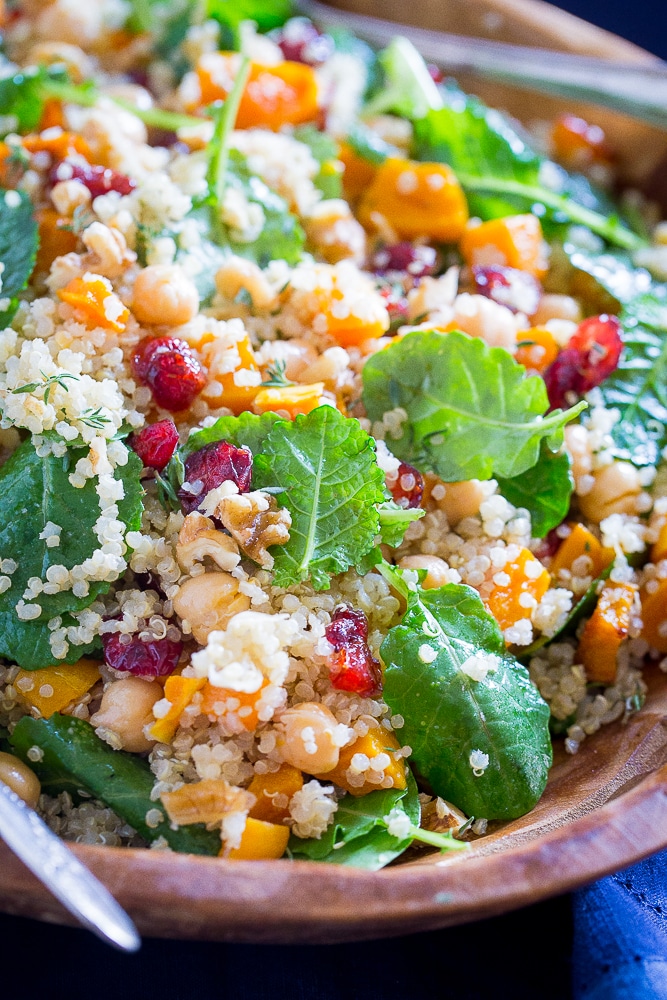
[(603, 809)]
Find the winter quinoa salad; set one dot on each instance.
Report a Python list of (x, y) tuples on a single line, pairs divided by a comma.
[(332, 427)]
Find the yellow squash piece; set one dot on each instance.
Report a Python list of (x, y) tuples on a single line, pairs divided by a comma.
[(260, 842), (508, 602), (290, 399), (376, 741), (96, 302), (54, 688), (515, 241), (179, 691), (580, 542), (605, 630), (273, 792)]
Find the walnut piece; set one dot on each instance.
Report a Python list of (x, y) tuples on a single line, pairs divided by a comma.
[(255, 521), (199, 538)]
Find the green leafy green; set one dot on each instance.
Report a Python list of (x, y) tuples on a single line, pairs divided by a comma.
[(544, 491), (36, 490), (19, 241), (638, 387), (248, 430), (325, 151), (582, 609), (471, 412), (282, 237), (75, 759), (325, 464), (452, 720), (501, 173), (358, 835), (407, 88), (369, 145), (22, 97), (394, 521), (229, 14)]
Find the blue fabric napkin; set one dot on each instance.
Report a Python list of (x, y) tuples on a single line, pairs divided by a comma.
[(620, 935)]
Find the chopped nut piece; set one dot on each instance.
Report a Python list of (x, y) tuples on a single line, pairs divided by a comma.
[(198, 539), (206, 801), (256, 522)]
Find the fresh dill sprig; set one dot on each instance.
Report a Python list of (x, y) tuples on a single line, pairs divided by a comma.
[(47, 385), (94, 418)]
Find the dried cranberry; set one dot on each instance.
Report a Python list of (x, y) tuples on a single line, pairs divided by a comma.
[(435, 73), (347, 625), (300, 41), (407, 486), (395, 303), (212, 465), (168, 366), (415, 260), (591, 355), (155, 444), (599, 343), (508, 286), (352, 666), (150, 658), (98, 180), (549, 545)]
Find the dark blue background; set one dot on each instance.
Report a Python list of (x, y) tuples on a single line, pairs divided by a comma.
[(522, 956)]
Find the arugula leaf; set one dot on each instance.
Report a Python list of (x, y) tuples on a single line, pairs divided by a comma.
[(638, 387), (501, 174), (582, 609), (394, 521), (229, 14), (73, 755), (448, 715), (358, 837), (19, 241), (407, 88), (248, 430), (471, 412), (36, 490), (544, 490), (325, 151), (326, 466)]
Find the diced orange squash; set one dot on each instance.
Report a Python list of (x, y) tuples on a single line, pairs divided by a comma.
[(59, 144), (605, 630), (578, 144), (654, 616), (659, 547), (237, 394), (357, 172), (580, 542), (376, 741), (537, 349), (52, 115), (527, 579), (216, 701), (274, 96), (273, 792), (54, 239), (54, 688), (290, 399), (97, 302), (179, 691), (416, 199), (260, 842), (515, 241)]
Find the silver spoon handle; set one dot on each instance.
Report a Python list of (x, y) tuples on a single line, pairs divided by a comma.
[(61, 872), (636, 90)]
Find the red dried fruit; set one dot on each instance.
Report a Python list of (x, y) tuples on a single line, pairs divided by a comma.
[(300, 41), (212, 465), (407, 486), (352, 666), (150, 658), (415, 260), (155, 444), (395, 303), (508, 286), (98, 180), (591, 355), (435, 73), (170, 369)]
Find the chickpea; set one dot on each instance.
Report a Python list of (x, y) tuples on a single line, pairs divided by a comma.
[(615, 491), (127, 707), (456, 500), (307, 738), (437, 570), (557, 307), (163, 293), (19, 777), (209, 602)]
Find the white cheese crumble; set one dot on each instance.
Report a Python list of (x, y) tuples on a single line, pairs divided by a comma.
[(398, 823), (249, 652), (426, 653), (479, 665)]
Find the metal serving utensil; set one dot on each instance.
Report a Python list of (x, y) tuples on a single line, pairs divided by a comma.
[(638, 91), (63, 874)]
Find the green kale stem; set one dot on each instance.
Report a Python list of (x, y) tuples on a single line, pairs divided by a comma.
[(608, 229), (224, 116), (445, 841), (88, 97)]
